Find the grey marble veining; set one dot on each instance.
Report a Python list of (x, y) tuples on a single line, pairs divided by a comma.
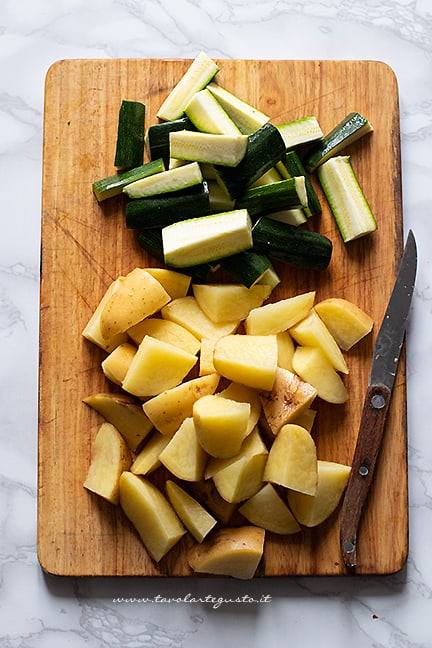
[(40, 611)]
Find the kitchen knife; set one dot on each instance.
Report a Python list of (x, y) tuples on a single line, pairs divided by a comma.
[(387, 350)]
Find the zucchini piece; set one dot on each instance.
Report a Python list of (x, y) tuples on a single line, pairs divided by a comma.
[(157, 137), (350, 129), (227, 150), (300, 131), (151, 241), (347, 201), (290, 216), (175, 179), (264, 149), (130, 135), (264, 199), (200, 72), (208, 116), (292, 166), (248, 267), (159, 211), (206, 239), (247, 118), (114, 185), (290, 244), (219, 199)]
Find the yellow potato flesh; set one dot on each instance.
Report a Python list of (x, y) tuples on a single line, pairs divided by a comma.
[(196, 519), (225, 302), (151, 514), (313, 510), (157, 366), (292, 460), (116, 364), (165, 331), (267, 509), (241, 479), (110, 457), (92, 330), (186, 312), (147, 460), (221, 424), (346, 321), (244, 394), (137, 296), (175, 283), (169, 409), (184, 456), (279, 316), (247, 359), (311, 364), (232, 552), (312, 332)]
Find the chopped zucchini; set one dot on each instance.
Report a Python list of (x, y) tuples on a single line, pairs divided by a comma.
[(200, 72), (208, 116), (114, 185), (160, 211), (130, 135), (350, 129), (293, 245), (285, 194), (300, 131), (247, 118), (249, 268), (219, 199), (265, 147), (176, 179), (292, 166), (206, 239), (226, 150), (291, 216), (157, 137), (347, 201)]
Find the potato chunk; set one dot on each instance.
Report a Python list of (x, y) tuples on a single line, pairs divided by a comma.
[(186, 312), (166, 331), (151, 514), (124, 413), (346, 322), (92, 330), (313, 510), (292, 460), (313, 367), (196, 519), (157, 366), (184, 456), (232, 552), (136, 296), (279, 316), (110, 457), (267, 509), (225, 302), (169, 409), (147, 460), (221, 424), (116, 364), (248, 359), (289, 398)]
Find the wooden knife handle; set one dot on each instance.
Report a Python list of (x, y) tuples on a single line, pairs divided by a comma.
[(371, 429)]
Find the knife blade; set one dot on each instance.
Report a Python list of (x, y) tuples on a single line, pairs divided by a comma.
[(386, 356)]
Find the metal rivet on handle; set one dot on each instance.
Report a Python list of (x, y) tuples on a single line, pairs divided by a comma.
[(377, 401)]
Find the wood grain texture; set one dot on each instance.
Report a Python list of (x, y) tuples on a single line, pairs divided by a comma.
[(85, 246)]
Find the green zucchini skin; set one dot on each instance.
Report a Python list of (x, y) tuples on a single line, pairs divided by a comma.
[(296, 246), (351, 128), (114, 185), (271, 197), (162, 210), (295, 167), (246, 267), (151, 241), (157, 137), (264, 149), (130, 135)]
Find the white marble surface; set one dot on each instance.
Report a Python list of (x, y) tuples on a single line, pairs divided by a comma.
[(39, 611)]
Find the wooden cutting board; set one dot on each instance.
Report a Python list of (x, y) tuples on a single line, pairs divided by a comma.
[(85, 246)]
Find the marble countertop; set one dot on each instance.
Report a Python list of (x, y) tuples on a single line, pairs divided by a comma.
[(38, 610)]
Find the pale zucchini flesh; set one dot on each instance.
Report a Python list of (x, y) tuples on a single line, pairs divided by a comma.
[(300, 131), (208, 116), (347, 201), (200, 240), (200, 72), (226, 150), (247, 118), (175, 179)]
